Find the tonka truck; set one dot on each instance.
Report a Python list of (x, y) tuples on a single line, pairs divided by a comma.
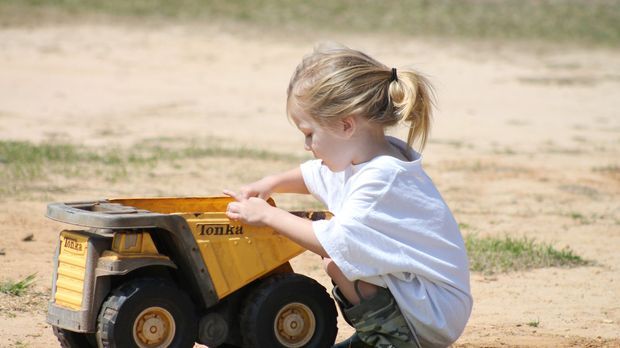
[(169, 272)]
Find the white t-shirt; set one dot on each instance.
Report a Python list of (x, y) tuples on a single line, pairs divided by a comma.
[(392, 228)]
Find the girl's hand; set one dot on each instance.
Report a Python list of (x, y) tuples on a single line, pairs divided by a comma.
[(257, 212), (261, 189), (251, 211)]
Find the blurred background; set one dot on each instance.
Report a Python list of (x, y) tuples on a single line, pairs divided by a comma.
[(122, 98)]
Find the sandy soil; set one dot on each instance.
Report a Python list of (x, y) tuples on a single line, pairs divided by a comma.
[(526, 142)]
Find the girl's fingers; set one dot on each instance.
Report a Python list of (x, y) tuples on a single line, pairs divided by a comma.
[(232, 194), (233, 211), (243, 195), (233, 216), (233, 207)]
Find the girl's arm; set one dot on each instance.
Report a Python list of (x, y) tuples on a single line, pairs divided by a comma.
[(297, 229), (255, 211), (290, 181)]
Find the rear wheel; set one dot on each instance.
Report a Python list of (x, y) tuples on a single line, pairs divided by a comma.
[(289, 310), (147, 313)]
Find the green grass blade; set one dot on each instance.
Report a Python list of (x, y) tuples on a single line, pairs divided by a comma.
[(17, 288), (491, 255)]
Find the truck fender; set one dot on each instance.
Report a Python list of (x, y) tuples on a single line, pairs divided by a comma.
[(122, 266)]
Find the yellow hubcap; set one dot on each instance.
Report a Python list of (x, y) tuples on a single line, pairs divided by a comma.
[(154, 327), (294, 325)]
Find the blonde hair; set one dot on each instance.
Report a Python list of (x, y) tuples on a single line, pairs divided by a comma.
[(335, 81)]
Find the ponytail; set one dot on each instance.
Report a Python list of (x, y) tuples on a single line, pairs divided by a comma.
[(412, 98)]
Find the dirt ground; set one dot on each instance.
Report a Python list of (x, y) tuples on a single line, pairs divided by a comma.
[(526, 142)]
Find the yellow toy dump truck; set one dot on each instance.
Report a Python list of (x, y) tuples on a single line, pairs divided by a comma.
[(169, 272)]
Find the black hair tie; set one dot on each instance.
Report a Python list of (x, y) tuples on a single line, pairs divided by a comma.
[(393, 77)]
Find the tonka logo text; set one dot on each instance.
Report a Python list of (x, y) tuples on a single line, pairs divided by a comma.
[(73, 244), (219, 230)]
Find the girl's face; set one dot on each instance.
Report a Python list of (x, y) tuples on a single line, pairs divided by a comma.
[(327, 144)]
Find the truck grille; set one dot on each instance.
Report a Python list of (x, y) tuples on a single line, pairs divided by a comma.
[(71, 270)]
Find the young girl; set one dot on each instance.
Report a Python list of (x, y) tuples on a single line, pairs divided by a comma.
[(393, 248)]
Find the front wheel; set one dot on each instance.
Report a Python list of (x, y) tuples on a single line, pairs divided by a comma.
[(71, 339), (289, 310), (147, 313)]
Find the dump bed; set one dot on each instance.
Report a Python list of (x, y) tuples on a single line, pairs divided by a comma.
[(219, 255)]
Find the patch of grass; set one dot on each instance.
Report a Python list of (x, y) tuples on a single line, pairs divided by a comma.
[(612, 170), (195, 150), (506, 150), (458, 144), (582, 190), (21, 159), (22, 162), (563, 150), (583, 21), (577, 216), (464, 226), (582, 219), (491, 255), (533, 323), (17, 288), (26, 160)]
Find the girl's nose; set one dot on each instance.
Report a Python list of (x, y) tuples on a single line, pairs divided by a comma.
[(307, 145)]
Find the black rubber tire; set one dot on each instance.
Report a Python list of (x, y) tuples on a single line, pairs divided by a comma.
[(261, 307), (122, 308), (71, 339)]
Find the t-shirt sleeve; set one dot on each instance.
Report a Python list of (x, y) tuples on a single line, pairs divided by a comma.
[(313, 174), (354, 246)]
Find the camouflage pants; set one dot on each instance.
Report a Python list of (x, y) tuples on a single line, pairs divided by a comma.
[(377, 321)]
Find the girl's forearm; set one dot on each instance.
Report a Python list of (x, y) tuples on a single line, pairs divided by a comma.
[(297, 229), (290, 181)]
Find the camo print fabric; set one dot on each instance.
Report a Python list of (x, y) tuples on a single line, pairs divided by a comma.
[(379, 322)]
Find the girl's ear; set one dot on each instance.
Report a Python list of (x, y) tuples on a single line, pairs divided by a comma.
[(348, 125)]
